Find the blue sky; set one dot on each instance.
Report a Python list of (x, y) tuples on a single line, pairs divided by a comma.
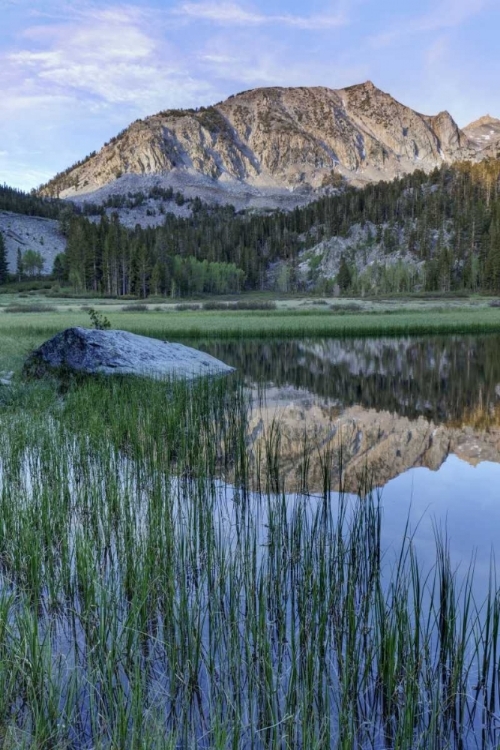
[(72, 74)]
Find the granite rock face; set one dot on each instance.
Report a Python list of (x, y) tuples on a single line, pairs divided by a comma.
[(277, 138), (485, 135), (23, 233), (92, 351)]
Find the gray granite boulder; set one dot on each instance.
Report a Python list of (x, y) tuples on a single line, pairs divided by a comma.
[(92, 351)]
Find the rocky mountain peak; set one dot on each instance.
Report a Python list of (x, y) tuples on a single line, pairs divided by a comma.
[(484, 120), (275, 140), (484, 133), (451, 138), (365, 86)]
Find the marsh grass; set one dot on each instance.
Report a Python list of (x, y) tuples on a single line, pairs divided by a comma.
[(250, 323), (147, 603), (30, 308)]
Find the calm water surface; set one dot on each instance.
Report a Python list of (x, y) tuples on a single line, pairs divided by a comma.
[(418, 419), (421, 414)]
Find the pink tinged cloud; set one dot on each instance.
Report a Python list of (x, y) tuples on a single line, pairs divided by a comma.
[(110, 56), (231, 14)]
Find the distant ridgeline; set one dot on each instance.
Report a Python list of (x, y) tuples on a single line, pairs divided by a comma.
[(438, 232)]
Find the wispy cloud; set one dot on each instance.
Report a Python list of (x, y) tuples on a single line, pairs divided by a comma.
[(438, 51), (72, 79), (25, 177), (107, 56), (446, 15), (249, 61), (450, 13), (232, 14)]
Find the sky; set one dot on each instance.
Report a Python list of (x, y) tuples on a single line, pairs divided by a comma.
[(73, 74)]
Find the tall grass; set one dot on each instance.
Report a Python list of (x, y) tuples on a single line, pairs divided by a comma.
[(190, 324), (145, 602)]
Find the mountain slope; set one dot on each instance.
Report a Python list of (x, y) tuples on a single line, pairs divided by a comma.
[(22, 233), (270, 141), (485, 135)]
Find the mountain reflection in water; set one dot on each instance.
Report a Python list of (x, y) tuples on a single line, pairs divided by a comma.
[(390, 404)]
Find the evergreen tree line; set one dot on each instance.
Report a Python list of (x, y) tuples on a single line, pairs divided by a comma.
[(108, 258), (449, 222), (29, 204), (32, 204)]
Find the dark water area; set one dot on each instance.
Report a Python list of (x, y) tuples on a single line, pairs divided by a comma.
[(440, 378)]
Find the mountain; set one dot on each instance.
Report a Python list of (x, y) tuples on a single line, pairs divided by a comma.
[(485, 135), (265, 144)]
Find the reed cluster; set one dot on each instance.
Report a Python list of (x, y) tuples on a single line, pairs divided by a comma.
[(147, 602)]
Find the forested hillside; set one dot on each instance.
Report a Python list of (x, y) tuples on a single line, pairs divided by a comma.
[(444, 228), (437, 232)]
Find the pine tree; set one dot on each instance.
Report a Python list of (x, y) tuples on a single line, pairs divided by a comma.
[(4, 269), (59, 267), (344, 277)]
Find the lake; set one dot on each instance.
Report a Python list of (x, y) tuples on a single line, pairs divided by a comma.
[(179, 572), (420, 416)]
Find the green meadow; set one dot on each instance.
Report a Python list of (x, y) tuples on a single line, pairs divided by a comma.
[(25, 323)]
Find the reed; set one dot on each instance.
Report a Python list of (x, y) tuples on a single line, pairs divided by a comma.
[(152, 597)]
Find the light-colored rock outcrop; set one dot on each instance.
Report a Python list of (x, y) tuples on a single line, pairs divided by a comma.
[(121, 353), (485, 135), (24, 233), (275, 139)]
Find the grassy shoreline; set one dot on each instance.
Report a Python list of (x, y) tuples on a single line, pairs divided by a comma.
[(20, 332), (256, 324)]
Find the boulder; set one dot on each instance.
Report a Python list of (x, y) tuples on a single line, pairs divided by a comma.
[(92, 351)]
